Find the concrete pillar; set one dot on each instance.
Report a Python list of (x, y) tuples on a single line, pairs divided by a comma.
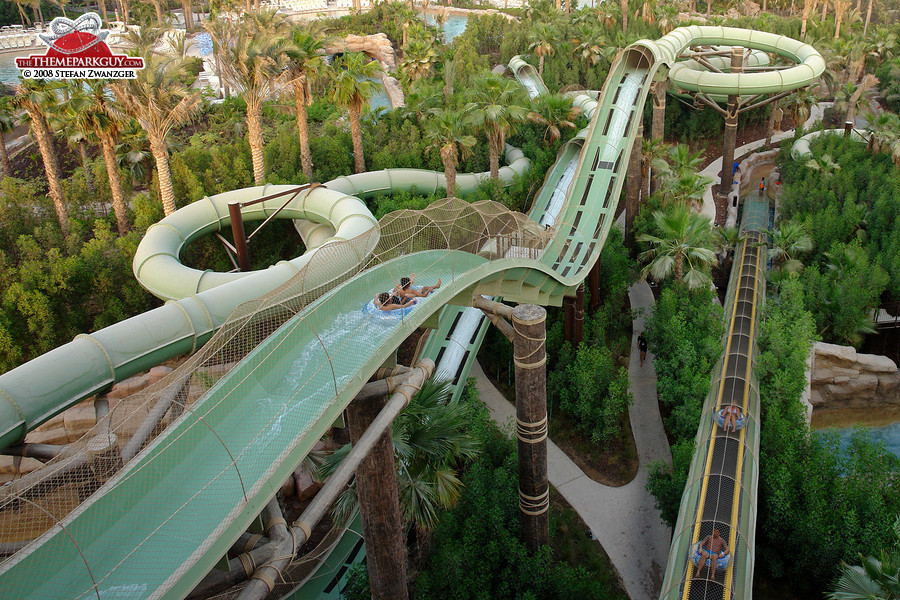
[(379, 505), (530, 357), (633, 188), (731, 122), (657, 130), (594, 284)]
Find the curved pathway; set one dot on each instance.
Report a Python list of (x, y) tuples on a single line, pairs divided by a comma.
[(624, 519)]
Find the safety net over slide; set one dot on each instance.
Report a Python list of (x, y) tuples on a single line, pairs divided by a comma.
[(147, 502)]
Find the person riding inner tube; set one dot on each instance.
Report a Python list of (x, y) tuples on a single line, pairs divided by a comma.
[(730, 416)]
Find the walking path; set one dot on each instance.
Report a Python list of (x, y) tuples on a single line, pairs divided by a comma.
[(624, 519)]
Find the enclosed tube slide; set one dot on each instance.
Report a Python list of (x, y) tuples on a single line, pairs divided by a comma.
[(166, 518), (91, 363)]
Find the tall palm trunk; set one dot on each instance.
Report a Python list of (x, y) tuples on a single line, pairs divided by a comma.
[(495, 145), (107, 143), (868, 18), (103, 11), (85, 160), (359, 161), (161, 156), (624, 6), (679, 266), (448, 157), (254, 132), (51, 166), (300, 99), (541, 64), (5, 167)]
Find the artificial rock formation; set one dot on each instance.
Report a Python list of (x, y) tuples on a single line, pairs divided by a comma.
[(843, 378), (379, 47)]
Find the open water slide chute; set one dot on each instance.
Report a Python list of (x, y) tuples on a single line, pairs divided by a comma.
[(163, 520), (200, 301)]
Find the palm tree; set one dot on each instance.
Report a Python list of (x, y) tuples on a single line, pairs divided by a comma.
[(37, 98), (824, 165), (430, 439), (653, 162), (7, 124), (624, 8), (306, 63), (160, 100), (352, 88), (876, 579), (496, 109), (687, 189), (789, 241), (556, 112), (807, 8), (725, 241), (542, 38), (800, 104), (91, 112), (840, 10), (885, 131), (683, 161), (683, 247), (256, 64), (592, 46), (447, 132), (419, 58)]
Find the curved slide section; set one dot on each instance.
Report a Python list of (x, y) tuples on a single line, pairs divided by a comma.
[(162, 521), (90, 364), (800, 148)]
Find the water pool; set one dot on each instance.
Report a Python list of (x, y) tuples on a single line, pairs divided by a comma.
[(453, 26)]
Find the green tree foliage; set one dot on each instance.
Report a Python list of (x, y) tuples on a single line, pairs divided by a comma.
[(858, 202), (877, 577), (819, 504), (476, 549), (889, 76)]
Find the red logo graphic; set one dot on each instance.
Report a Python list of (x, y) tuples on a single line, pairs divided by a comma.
[(78, 50)]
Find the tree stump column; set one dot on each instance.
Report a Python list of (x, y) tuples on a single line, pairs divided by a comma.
[(530, 357), (578, 332), (731, 123), (594, 284), (379, 505)]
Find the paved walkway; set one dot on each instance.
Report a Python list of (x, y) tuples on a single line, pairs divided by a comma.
[(623, 519)]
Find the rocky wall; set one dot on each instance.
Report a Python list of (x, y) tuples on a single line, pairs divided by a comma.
[(843, 378)]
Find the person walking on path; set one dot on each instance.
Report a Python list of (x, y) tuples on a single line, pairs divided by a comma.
[(642, 347)]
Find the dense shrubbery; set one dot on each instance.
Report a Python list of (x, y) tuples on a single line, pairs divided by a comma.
[(588, 382), (819, 505), (848, 200), (685, 335), (476, 549)]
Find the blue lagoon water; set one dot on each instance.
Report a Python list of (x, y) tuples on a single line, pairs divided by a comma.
[(453, 26)]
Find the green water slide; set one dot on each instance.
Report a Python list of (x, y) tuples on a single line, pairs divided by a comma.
[(161, 522)]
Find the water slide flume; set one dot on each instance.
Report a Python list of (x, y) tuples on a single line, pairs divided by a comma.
[(200, 301), (160, 523)]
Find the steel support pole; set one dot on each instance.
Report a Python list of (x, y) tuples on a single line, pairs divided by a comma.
[(529, 351), (240, 238)]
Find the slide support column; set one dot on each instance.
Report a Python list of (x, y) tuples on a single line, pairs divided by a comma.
[(379, 505), (594, 284), (657, 130), (530, 356), (731, 122), (633, 188)]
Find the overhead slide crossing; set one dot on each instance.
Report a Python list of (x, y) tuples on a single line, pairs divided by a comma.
[(153, 527)]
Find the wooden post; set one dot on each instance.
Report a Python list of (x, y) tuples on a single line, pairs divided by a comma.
[(530, 356), (240, 238), (379, 506), (578, 331), (731, 123), (594, 284)]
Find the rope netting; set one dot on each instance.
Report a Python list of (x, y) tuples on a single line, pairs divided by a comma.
[(206, 439)]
